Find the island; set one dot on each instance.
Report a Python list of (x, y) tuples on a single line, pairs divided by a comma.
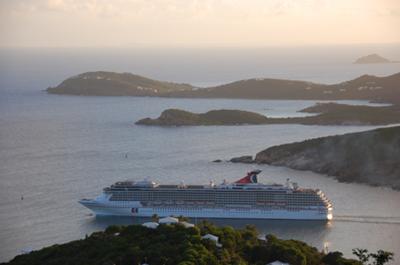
[(103, 83), (343, 114), (371, 157), (371, 58), (326, 114), (177, 117), (366, 87), (176, 244)]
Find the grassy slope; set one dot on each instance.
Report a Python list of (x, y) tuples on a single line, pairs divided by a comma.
[(366, 87), (385, 89), (115, 84)]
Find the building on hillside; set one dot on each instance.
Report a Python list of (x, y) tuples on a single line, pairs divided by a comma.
[(212, 238), (277, 262)]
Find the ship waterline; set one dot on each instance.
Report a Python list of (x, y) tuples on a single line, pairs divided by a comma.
[(243, 199)]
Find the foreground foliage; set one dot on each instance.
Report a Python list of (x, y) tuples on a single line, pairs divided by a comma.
[(379, 258), (175, 244)]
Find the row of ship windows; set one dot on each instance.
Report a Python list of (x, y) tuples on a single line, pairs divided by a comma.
[(228, 201), (241, 209), (219, 196), (212, 196)]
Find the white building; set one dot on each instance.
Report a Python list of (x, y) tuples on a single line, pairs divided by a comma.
[(186, 224), (168, 220), (151, 225), (277, 262), (212, 238)]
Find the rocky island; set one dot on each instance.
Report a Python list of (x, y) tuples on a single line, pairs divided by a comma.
[(176, 117), (327, 114), (366, 87), (371, 157), (371, 58)]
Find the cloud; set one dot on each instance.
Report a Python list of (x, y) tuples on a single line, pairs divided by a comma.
[(57, 4), (236, 22), (395, 12), (180, 8), (89, 7), (101, 8)]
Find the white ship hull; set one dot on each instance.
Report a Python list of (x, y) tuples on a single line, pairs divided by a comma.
[(243, 199), (135, 209)]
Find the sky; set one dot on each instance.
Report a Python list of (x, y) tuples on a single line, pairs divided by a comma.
[(197, 23)]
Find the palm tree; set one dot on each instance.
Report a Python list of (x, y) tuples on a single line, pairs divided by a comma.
[(362, 254), (155, 218), (381, 257)]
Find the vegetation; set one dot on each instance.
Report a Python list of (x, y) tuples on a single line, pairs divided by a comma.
[(379, 258), (176, 117), (115, 84), (328, 114), (366, 87), (175, 244), (336, 114)]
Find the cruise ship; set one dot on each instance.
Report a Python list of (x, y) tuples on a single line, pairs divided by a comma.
[(245, 198)]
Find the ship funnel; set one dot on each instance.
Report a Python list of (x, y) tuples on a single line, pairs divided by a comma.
[(251, 177)]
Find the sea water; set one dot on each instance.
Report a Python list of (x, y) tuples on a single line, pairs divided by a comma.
[(57, 149)]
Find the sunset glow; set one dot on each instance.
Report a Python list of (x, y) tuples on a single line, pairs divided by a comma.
[(192, 23)]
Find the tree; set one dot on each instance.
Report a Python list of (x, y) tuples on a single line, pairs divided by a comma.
[(381, 257), (154, 218), (336, 258), (182, 218), (362, 254), (332, 258)]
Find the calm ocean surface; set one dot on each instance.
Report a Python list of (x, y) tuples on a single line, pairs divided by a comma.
[(55, 150)]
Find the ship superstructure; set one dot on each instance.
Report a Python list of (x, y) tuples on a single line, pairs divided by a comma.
[(245, 198)]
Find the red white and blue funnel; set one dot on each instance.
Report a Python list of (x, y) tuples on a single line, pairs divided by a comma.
[(251, 177)]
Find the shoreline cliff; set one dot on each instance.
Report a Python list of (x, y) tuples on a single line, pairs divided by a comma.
[(371, 157)]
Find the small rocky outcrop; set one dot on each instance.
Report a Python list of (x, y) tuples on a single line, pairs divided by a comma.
[(242, 159), (371, 58)]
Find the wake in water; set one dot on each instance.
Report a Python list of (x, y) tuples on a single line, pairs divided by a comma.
[(368, 219)]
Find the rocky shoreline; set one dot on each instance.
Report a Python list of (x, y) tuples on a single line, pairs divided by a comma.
[(371, 157)]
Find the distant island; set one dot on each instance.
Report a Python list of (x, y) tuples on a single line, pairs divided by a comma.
[(372, 58), (115, 84), (371, 157), (366, 87), (327, 114), (175, 244), (177, 117)]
